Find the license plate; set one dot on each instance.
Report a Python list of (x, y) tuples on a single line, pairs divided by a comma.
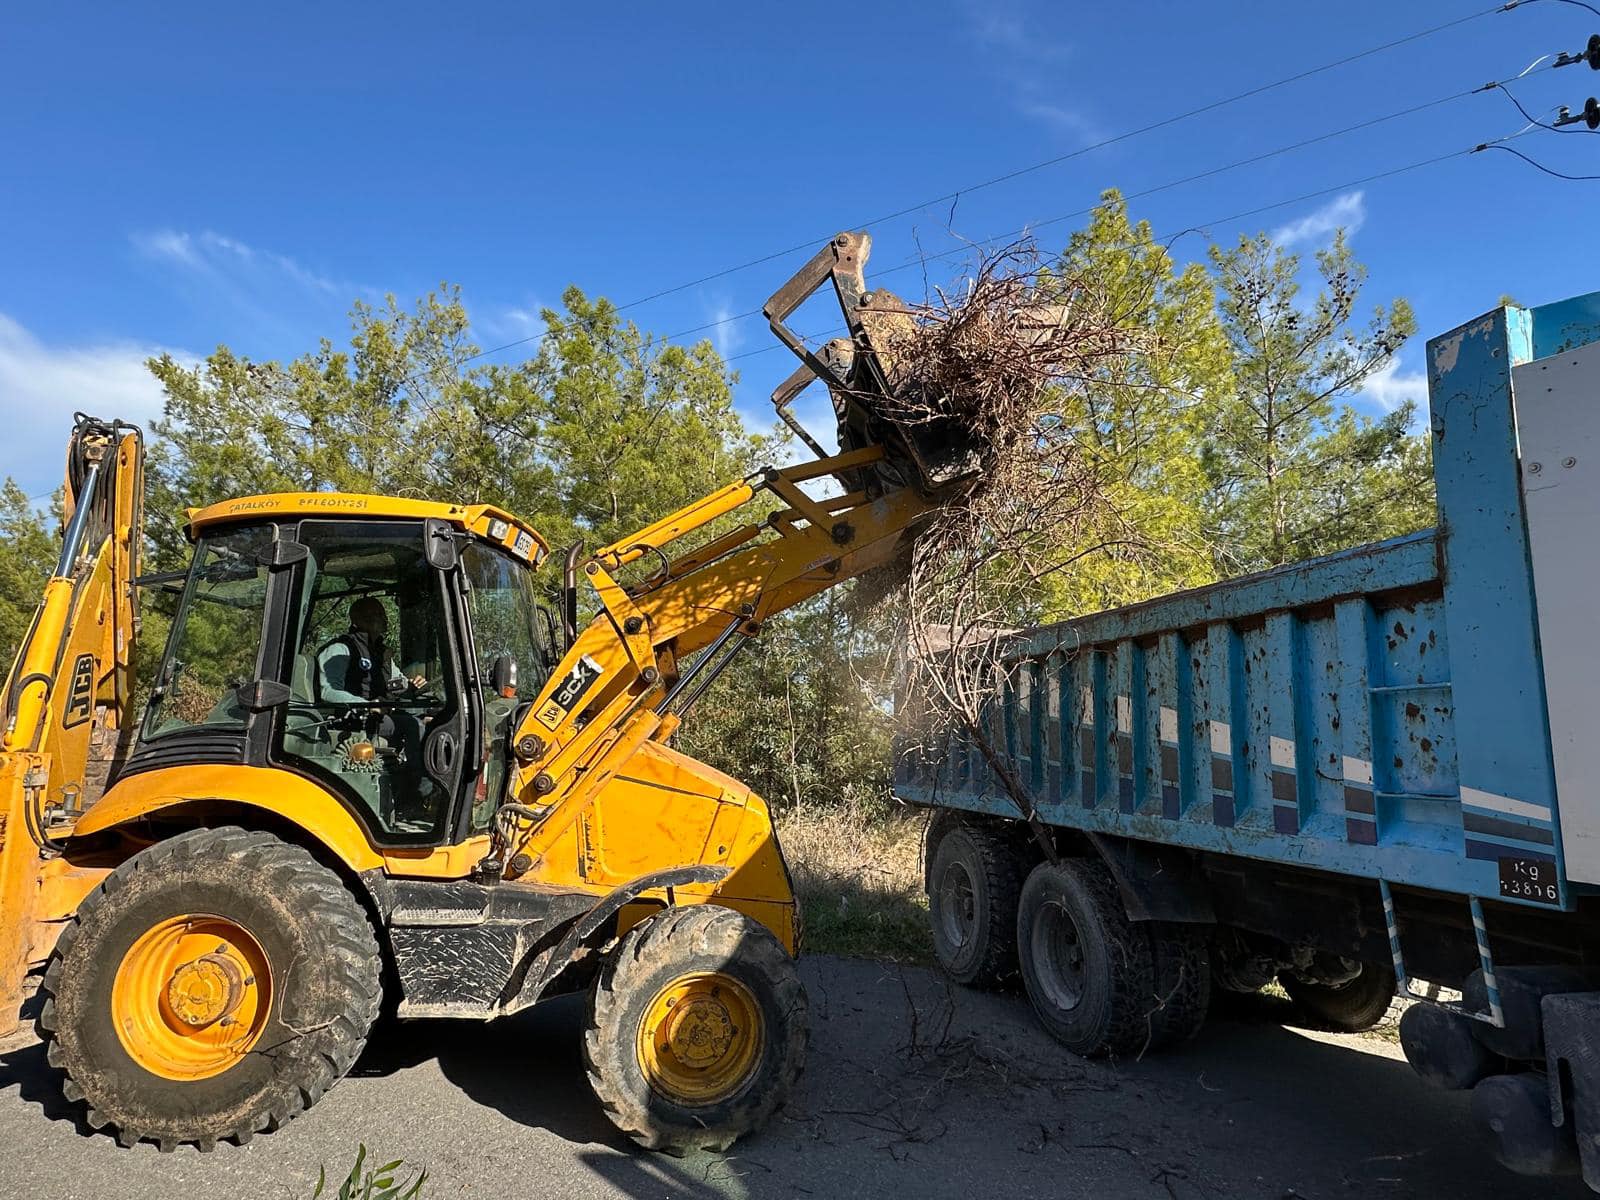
[(1529, 879)]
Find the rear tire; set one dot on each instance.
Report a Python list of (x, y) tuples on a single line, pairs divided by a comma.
[(974, 876), (697, 1029), (138, 1018), (1182, 959), (1353, 1007), (1088, 971)]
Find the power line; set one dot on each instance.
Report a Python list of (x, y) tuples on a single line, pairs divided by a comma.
[(1520, 3), (1237, 216), (1534, 163), (1100, 145), (1533, 120), (1150, 191), (1170, 184), (1163, 123)]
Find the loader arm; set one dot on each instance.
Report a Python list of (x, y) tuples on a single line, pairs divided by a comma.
[(64, 709), (657, 644)]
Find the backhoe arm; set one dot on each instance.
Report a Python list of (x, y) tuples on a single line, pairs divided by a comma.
[(64, 708)]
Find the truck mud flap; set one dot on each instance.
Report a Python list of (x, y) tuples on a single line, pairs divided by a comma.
[(1158, 883)]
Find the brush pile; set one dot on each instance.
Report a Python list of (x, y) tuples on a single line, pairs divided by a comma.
[(1008, 358), (1002, 355)]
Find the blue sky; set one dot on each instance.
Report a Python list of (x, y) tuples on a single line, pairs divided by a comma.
[(182, 175)]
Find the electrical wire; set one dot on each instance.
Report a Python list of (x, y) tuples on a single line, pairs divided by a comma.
[(1521, 3), (1236, 216), (1534, 163), (1533, 120), (1100, 145), (1163, 123), (1150, 191), (539, 338), (1522, 74)]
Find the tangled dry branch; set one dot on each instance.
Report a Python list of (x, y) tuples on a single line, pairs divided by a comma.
[(1009, 358)]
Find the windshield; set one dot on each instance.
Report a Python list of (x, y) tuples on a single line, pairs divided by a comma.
[(507, 620), (217, 637)]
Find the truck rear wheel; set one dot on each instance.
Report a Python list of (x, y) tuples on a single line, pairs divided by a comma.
[(1089, 973), (697, 1029), (1181, 958), (212, 986), (974, 875), (1352, 1007)]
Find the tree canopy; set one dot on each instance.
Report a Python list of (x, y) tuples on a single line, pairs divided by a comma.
[(1232, 444), (1294, 470), (602, 431)]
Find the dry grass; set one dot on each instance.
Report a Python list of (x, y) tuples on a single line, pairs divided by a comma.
[(858, 875)]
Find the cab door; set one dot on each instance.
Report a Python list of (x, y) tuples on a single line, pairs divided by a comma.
[(508, 633), (376, 710)]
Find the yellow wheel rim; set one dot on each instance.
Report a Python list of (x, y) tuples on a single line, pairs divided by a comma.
[(191, 996), (701, 1038)]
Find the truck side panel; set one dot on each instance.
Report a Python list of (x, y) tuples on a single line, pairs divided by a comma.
[(1507, 780), (1321, 734)]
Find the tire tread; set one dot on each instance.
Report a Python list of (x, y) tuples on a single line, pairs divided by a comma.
[(1125, 1027), (674, 937), (330, 1052), (1000, 869)]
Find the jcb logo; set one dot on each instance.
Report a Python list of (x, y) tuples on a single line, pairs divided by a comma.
[(80, 695), (565, 698)]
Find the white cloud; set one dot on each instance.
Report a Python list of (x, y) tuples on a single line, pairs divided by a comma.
[(1001, 26), (516, 323), (726, 332), (1347, 211), (1028, 63), (41, 386), (221, 258), (1067, 120), (167, 244), (1389, 387)]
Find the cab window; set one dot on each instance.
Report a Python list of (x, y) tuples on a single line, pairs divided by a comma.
[(370, 679)]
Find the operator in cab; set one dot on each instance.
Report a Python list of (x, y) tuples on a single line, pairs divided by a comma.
[(358, 668)]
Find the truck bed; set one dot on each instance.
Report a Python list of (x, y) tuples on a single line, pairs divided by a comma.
[(1379, 713)]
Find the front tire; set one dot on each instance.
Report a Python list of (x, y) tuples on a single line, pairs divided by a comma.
[(974, 875), (697, 1029), (214, 985)]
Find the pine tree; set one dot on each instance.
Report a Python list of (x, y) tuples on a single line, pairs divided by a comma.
[(1294, 470)]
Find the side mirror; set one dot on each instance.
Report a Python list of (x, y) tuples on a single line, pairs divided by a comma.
[(439, 541), (503, 676)]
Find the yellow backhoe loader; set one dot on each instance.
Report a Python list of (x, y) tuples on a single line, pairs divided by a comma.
[(373, 764)]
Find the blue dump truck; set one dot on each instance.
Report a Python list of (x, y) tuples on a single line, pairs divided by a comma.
[(1351, 775)]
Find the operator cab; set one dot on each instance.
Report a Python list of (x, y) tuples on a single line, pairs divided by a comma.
[(381, 648)]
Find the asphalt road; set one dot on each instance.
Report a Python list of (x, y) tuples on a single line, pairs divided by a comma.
[(913, 1089)]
